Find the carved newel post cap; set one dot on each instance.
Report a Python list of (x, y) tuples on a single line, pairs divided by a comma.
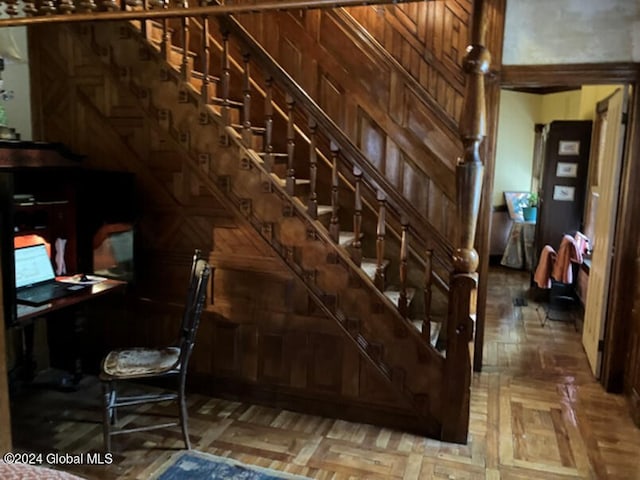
[(465, 260), (477, 59)]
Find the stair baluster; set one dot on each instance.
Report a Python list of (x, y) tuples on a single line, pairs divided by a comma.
[(403, 304), (136, 5), (30, 9), (84, 6), (381, 231), (12, 7), (312, 206), (47, 7), (268, 124), (334, 226), (428, 280), (225, 81), (67, 7), (246, 100), (291, 145), (185, 71), (165, 42), (356, 254), (205, 89)]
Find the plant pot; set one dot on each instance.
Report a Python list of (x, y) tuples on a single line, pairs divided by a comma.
[(530, 214)]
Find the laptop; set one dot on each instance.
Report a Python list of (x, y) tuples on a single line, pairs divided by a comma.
[(35, 279)]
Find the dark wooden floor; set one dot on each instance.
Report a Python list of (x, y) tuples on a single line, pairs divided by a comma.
[(536, 413)]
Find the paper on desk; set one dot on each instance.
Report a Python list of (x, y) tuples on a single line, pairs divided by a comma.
[(76, 279)]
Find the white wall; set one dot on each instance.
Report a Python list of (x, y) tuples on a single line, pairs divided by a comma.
[(514, 148), (571, 31)]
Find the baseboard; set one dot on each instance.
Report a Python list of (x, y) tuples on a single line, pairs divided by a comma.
[(314, 403)]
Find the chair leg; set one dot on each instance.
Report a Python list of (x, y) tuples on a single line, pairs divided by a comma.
[(113, 411), (184, 418), (106, 420)]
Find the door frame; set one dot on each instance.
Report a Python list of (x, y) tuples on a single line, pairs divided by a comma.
[(627, 230)]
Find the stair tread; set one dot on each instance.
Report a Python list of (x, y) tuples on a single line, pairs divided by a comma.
[(274, 155), (434, 330), (255, 130), (346, 238), (200, 76), (393, 294), (324, 210), (230, 103), (283, 181), (370, 265)]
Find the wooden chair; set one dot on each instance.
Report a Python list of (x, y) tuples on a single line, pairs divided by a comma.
[(145, 363)]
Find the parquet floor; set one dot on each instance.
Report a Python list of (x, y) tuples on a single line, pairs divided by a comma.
[(536, 413)]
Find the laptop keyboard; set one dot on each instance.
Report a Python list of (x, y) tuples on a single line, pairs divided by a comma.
[(43, 292)]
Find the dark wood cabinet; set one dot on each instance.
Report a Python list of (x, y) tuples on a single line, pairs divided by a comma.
[(38, 204), (46, 194), (564, 179)]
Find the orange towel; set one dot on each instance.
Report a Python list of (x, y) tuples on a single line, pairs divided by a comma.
[(542, 276), (567, 253)]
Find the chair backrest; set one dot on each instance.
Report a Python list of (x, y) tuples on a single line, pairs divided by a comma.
[(194, 305), (193, 282)]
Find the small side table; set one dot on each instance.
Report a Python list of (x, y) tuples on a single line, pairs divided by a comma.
[(519, 251)]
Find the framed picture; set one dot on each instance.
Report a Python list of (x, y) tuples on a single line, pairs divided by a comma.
[(514, 201), (564, 193), (569, 147), (567, 170)]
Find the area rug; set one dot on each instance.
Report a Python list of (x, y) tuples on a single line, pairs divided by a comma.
[(187, 465)]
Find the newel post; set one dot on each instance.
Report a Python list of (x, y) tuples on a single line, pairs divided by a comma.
[(469, 172)]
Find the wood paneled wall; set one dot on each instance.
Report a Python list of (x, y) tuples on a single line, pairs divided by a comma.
[(263, 333), (429, 40), (406, 126)]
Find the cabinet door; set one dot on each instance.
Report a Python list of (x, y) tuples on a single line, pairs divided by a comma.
[(563, 181)]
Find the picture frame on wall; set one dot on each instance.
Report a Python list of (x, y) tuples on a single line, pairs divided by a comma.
[(564, 193), (569, 147), (567, 170)]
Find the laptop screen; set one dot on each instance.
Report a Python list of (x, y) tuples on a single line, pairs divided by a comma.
[(32, 265)]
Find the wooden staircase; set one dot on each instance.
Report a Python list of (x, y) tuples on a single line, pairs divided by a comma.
[(374, 306), (215, 91), (246, 135)]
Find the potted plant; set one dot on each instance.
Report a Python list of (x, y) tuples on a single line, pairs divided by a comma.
[(530, 207)]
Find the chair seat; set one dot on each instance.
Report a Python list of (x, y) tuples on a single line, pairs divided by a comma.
[(140, 361)]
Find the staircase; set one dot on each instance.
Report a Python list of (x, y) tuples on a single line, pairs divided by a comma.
[(264, 148)]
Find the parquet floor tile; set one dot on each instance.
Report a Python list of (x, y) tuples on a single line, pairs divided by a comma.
[(536, 413)]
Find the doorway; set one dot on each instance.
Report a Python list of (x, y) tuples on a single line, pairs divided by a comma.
[(523, 107)]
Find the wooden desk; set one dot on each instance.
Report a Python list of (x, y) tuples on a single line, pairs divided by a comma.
[(105, 287), (75, 303)]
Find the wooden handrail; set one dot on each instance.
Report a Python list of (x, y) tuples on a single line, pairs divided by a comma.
[(211, 10)]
